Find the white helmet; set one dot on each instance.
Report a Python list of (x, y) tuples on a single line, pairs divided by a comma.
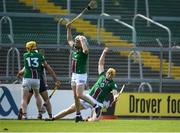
[(77, 38)]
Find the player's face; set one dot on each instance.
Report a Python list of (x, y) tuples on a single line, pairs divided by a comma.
[(109, 75), (77, 44)]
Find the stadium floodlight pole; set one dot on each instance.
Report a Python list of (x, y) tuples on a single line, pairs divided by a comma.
[(92, 5)]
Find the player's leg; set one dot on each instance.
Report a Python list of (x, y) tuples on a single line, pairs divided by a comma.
[(36, 87), (76, 99), (68, 111), (44, 95), (26, 88), (80, 86), (38, 103), (30, 95), (81, 82), (80, 94), (77, 105), (65, 112), (93, 116), (24, 103), (20, 112)]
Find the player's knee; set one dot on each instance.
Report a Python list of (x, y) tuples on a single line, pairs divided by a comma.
[(47, 102), (36, 94), (80, 96), (72, 108)]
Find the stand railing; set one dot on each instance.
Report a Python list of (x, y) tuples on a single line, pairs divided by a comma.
[(124, 24), (136, 54), (163, 27), (10, 35), (13, 51)]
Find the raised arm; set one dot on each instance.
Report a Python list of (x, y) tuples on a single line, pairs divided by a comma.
[(84, 44), (69, 35), (52, 73), (102, 60)]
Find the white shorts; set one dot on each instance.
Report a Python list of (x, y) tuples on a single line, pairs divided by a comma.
[(29, 84), (87, 105), (79, 79)]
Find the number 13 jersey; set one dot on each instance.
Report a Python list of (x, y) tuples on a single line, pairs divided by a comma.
[(33, 64)]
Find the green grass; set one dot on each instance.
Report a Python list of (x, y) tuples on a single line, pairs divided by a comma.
[(101, 126)]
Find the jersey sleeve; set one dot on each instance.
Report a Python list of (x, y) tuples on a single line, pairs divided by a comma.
[(43, 58), (115, 87), (102, 73)]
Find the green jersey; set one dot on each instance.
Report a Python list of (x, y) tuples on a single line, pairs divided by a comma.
[(102, 88), (79, 61), (33, 65)]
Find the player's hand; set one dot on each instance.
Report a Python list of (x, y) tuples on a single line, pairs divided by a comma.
[(68, 25), (58, 83), (106, 49), (20, 74), (116, 98)]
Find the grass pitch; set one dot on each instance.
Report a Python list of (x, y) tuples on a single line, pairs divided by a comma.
[(101, 126)]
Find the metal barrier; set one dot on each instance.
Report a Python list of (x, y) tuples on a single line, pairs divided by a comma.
[(147, 9), (11, 35), (126, 25), (13, 50), (65, 17), (161, 64), (161, 26), (140, 63), (120, 78), (59, 31), (142, 87), (34, 4), (4, 6), (102, 12)]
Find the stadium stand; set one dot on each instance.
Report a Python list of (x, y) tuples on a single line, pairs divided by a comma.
[(44, 31)]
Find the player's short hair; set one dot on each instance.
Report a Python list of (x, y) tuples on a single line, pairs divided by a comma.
[(112, 71), (31, 45)]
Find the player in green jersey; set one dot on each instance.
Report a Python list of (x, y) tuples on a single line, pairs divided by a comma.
[(103, 86), (33, 63), (43, 92), (79, 75)]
